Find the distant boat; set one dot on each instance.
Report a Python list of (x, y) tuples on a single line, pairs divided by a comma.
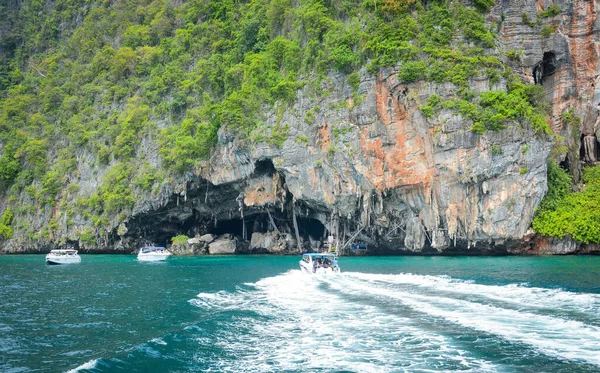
[(319, 263), (66, 256), (153, 254)]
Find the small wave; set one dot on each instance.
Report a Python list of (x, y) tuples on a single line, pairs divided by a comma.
[(89, 365), (221, 299), (16, 370), (76, 352), (158, 341)]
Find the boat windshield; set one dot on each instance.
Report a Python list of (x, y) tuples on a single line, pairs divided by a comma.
[(63, 252), (150, 249), (315, 256), (320, 260)]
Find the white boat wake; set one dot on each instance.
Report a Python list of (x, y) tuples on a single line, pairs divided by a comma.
[(388, 323)]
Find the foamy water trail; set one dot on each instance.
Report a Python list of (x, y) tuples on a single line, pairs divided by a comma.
[(518, 294), (303, 326), (550, 335), (384, 323)]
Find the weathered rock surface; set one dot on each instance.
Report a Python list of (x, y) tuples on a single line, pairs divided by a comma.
[(273, 243), (207, 238), (195, 247), (222, 246), (533, 244)]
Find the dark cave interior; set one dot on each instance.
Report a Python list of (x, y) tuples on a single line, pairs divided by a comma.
[(260, 223)]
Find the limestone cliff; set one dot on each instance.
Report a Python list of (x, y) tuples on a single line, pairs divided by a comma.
[(366, 162)]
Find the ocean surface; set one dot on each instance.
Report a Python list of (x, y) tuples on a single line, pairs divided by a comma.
[(111, 313)]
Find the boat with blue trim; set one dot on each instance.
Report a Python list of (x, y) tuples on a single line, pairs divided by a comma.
[(319, 263)]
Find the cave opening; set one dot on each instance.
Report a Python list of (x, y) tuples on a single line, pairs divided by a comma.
[(254, 223), (157, 238), (549, 64), (231, 226), (545, 68), (264, 167), (150, 229), (310, 227), (565, 165), (307, 227)]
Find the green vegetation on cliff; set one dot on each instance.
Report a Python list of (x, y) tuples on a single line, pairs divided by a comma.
[(179, 239), (101, 87), (565, 212), (5, 224)]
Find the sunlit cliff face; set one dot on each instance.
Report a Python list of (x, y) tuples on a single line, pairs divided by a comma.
[(366, 158)]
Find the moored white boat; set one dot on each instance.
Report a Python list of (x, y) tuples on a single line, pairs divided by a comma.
[(153, 254), (66, 256), (319, 263)]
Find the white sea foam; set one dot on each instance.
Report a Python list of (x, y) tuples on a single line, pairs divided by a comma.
[(518, 294), (89, 365), (306, 327), (383, 323), (222, 300), (550, 335), (158, 341)]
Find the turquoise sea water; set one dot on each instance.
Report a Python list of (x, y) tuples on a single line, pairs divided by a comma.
[(111, 313)]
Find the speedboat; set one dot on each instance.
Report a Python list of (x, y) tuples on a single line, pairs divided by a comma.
[(66, 256), (319, 263), (153, 254)]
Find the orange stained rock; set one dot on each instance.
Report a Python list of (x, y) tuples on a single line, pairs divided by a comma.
[(408, 160), (325, 137), (583, 45), (261, 194), (313, 178), (540, 5), (578, 73)]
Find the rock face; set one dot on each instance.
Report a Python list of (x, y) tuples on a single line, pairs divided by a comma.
[(368, 164), (222, 246), (533, 244), (273, 243), (407, 182), (193, 247)]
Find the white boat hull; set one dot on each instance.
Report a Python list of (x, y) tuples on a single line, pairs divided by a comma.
[(153, 257), (305, 270), (63, 259)]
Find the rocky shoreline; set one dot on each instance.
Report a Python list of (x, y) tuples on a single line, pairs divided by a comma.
[(285, 244)]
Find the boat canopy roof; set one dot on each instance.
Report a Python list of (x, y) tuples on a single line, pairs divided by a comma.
[(149, 249), (60, 251), (320, 255)]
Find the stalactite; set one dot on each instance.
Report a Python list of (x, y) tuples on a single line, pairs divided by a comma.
[(299, 242), (272, 222), (589, 148)]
